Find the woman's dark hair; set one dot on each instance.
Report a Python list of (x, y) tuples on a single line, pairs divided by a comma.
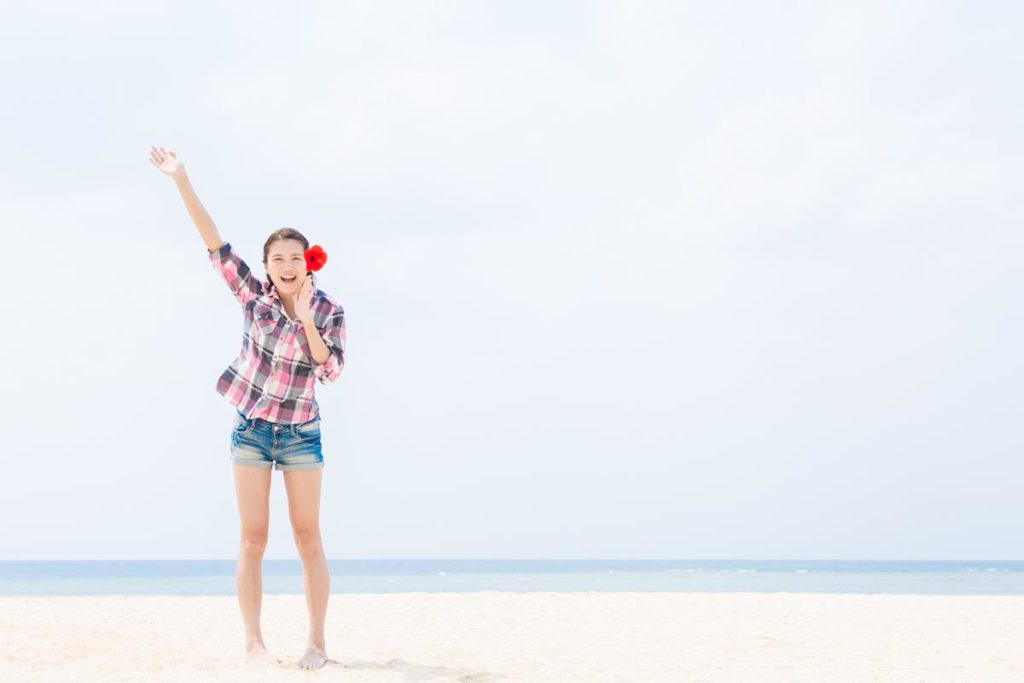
[(283, 234)]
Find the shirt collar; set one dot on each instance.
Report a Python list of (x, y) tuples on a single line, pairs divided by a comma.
[(275, 301)]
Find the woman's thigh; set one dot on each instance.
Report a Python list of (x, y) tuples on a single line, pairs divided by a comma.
[(252, 488), (303, 487)]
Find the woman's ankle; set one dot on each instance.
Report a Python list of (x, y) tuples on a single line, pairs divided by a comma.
[(252, 642)]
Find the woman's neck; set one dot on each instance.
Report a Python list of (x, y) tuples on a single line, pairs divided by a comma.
[(287, 303)]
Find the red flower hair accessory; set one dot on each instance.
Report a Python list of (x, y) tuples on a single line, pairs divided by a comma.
[(316, 257)]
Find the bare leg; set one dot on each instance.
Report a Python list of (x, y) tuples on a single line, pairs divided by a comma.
[(252, 487), (303, 488)]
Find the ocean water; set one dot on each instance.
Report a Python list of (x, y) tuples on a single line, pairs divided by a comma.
[(216, 577)]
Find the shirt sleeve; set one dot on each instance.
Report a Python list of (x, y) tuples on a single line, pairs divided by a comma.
[(334, 337), (236, 273)]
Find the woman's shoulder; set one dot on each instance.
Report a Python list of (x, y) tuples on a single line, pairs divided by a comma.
[(327, 305)]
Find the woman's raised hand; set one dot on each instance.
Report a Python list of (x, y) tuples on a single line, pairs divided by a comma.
[(167, 161), (169, 164)]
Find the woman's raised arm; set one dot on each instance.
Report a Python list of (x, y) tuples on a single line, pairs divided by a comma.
[(169, 164)]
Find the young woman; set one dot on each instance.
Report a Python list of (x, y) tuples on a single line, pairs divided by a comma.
[(294, 335)]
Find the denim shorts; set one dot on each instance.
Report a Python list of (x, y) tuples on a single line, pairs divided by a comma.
[(287, 447)]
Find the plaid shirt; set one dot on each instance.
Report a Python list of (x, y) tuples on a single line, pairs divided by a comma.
[(273, 376)]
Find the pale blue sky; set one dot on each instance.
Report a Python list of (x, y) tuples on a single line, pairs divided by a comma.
[(623, 279)]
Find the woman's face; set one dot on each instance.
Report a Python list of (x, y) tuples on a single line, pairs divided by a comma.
[(286, 265)]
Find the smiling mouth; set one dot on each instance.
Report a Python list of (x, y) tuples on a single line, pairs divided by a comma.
[(288, 278)]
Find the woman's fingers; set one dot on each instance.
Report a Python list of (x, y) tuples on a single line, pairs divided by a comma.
[(164, 159)]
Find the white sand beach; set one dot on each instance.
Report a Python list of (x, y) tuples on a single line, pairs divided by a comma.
[(524, 637)]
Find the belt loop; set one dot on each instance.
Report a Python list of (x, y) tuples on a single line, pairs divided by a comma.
[(294, 426)]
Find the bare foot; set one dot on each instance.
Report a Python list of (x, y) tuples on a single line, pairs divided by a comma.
[(256, 654), (314, 658)]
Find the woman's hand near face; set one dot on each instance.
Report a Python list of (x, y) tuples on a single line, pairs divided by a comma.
[(303, 300), (167, 161)]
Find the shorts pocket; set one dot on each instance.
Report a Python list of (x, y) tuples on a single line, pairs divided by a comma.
[(240, 424), (309, 430)]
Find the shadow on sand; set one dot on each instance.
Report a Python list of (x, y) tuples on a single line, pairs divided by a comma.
[(411, 672)]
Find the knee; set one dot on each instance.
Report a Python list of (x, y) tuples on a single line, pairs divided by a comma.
[(254, 543), (308, 542)]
